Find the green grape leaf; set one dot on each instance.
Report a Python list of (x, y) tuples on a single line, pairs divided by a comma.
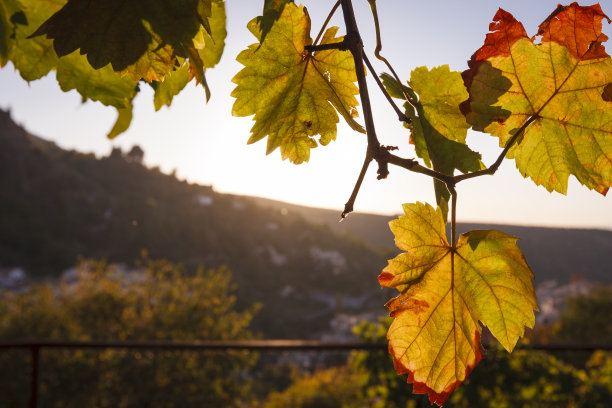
[(11, 14), (444, 293), (208, 46), (120, 32), (171, 86), (34, 57), (124, 119), (560, 84), (291, 92), (438, 127), (272, 11), (104, 85)]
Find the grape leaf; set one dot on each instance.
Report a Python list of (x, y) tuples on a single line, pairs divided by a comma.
[(104, 85), (435, 334), (438, 127), (34, 58), (209, 48), (272, 11), (209, 45), (171, 86), (124, 119), (292, 93), (11, 14), (120, 32), (560, 82)]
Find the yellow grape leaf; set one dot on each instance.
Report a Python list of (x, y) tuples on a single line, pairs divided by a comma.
[(444, 293), (124, 119), (295, 95), (561, 82), (438, 128), (272, 10)]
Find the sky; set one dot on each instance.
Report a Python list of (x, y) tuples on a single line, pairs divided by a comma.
[(204, 144)]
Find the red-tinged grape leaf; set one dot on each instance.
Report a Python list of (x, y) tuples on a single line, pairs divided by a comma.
[(438, 127), (563, 83), (272, 11), (120, 32), (295, 95), (154, 64), (444, 293)]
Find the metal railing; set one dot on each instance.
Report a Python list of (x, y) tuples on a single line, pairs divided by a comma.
[(35, 346)]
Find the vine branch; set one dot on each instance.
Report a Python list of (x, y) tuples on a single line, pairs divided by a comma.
[(401, 115), (324, 26), (375, 151), (380, 57)]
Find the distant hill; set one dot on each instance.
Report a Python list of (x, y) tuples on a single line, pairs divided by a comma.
[(303, 266), (57, 206), (558, 254)]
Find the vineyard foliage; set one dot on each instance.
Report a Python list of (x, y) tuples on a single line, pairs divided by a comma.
[(547, 98)]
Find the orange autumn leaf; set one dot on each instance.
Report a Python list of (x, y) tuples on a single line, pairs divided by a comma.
[(561, 84)]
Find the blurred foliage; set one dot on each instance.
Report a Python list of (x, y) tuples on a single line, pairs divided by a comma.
[(100, 302), (329, 388), (586, 318), (525, 378)]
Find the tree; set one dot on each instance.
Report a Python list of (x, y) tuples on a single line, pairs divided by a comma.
[(136, 154), (159, 301), (548, 102), (586, 317)]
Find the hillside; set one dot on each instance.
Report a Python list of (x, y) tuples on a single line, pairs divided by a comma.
[(58, 206), (557, 254), (303, 266)]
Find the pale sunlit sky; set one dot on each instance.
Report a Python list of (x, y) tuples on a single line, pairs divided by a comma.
[(205, 144)]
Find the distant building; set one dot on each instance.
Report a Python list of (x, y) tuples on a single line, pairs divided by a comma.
[(552, 296)]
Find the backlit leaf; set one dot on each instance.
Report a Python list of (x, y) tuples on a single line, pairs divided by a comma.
[(11, 15), (120, 32), (124, 119), (562, 82), (171, 86), (438, 127), (209, 45), (435, 334), (272, 11), (104, 85), (294, 95), (34, 57)]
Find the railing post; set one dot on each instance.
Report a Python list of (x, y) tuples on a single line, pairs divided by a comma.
[(35, 376)]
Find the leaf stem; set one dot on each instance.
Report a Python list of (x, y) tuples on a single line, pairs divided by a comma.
[(493, 168), (453, 192), (379, 48), (401, 115), (324, 26), (353, 42), (348, 207)]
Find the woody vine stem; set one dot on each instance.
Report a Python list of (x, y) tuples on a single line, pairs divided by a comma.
[(375, 150)]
